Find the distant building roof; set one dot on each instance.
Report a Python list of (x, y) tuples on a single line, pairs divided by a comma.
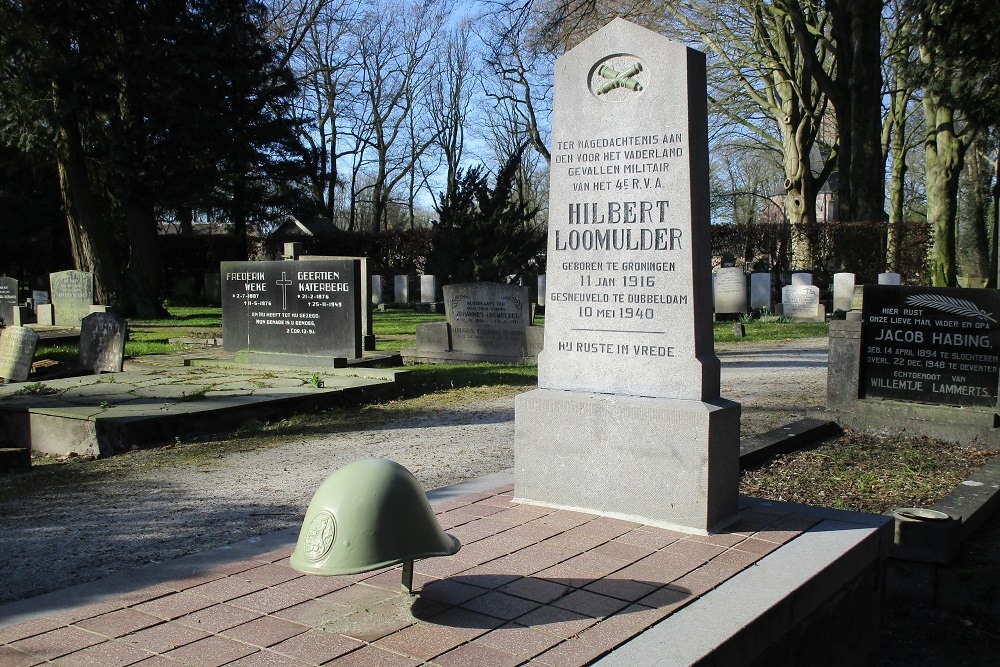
[(293, 228)]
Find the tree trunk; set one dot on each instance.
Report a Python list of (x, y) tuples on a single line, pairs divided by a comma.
[(800, 194), (88, 228), (944, 150), (897, 191), (238, 218), (867, 167), (144, 259), (973, 238), (185, 216)]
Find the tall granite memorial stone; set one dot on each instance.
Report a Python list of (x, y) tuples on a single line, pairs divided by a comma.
[(72, 294), (627, 420), (293, 311)]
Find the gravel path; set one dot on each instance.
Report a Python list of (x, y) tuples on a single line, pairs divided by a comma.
[(56, 536)]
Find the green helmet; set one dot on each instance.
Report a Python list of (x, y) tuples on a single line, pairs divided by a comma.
[(367, 515)]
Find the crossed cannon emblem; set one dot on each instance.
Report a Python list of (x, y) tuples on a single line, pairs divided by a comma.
[(616, 79)]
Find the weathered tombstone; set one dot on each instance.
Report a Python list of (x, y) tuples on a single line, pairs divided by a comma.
[(541, 290), (730, 290), (72, 295), (46, 315), (428, 289), (401, 289), (760, 290), (802, 279), (800, 303), (843, 291), (858, 297), (308, 311), (39, 297), (488, 318), (889, 279), (17, 349), (377, 290), (9, 310), (102, 342), (627, 419)]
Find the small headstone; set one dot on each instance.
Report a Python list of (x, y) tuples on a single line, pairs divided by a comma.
[(72, 296), (800, 303), (303, 307), (39, 297), (17, 349), (843, 291), (730, 290), (889, 279), (377, 289), (401, 289), (488, 318), (760, 290), (541, 290), (802, 279), (739, 330), (428, 289), (46, 315), (858, 297), (9, 313), (102, 342)]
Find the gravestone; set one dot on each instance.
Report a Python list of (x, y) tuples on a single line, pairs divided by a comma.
[(367, 326), (72, 294), (428, 289), (858, 297), (802, 279), (102, 342), (46, 315), (541, 290), (889, 279), (401, 289), (377, 290), (800, 303), (485, 322), (17, 349), (9, 310), (39, 298), (760, 291), (307, 310), (627, 419), (730, 290), (931, 345), (843, 291)]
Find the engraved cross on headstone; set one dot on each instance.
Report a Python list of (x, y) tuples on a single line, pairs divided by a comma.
[(283, 283)]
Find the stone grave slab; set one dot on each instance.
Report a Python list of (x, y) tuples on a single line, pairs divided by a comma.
[(308, 310), (72, 294), (843, 291), (428, 289), (401, 289), (17, 350), (760, 291), (889, 279), (10, 314), (39, 297), (102, 342), (377, 290), (485, 322), (800, 303), (802, 279), (730, 291), (628, 331)]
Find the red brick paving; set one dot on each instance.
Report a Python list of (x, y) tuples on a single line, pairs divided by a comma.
[(531, 584)]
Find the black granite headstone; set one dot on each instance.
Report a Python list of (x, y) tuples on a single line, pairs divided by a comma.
[(8, 301), (308, 307), (931, 345)]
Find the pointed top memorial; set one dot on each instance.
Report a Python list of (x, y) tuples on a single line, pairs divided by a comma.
[(629, 294)]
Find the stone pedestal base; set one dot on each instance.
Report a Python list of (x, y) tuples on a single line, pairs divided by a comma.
[(667, 462)]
